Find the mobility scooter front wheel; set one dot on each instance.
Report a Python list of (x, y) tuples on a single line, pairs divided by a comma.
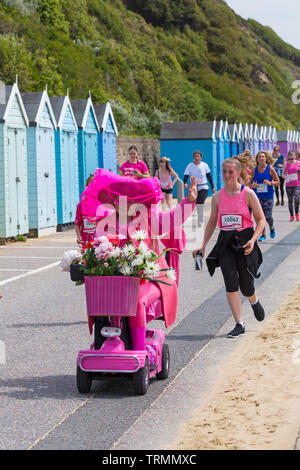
[(141, 379), (84, 381)]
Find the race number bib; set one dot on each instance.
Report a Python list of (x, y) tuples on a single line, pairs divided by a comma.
[(88, 226), (292, 177), (262, 188), (164, 183), (231, 222)]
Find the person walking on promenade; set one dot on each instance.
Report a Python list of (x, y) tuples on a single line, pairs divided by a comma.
[(236, 250), (134, 167), (264, 178), (278, 166), (201, 171), (164, 174), (290, 173), (84, 227)]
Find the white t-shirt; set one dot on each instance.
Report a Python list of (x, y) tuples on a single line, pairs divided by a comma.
[(199, 171)]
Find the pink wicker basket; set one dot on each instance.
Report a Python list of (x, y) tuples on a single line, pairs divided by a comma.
[(111, 295)]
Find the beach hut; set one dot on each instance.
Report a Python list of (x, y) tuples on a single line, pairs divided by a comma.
[(88, 130), (241, 141), (66, 157), (42, 205), (251, 138), (178, 141), (233, 131), (13, 163), (226, 140), (284, 141), (107, 137), (255, 140), (246, 131), (274, 137), (220, 151), (261, 138)]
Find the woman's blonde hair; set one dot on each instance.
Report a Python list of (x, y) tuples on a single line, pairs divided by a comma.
[(243, 163), (269, 159)]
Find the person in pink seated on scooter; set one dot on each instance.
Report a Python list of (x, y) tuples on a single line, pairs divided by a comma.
[(133, 205)]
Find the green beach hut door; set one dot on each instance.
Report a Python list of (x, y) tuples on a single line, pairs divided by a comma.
[(17, 177)]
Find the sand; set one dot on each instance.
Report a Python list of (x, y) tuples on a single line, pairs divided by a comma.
[(256, 402)]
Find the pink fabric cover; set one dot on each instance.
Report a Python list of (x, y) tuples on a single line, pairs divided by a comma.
[(106, 188)]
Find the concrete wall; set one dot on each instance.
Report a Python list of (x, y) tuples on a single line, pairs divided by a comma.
[(149, 151)]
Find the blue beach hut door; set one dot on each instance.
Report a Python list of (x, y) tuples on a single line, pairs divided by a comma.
[(48, 180), (69, 144), (91, 150), (17, 176)]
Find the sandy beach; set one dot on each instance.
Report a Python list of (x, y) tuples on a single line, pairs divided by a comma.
[(256, 402)]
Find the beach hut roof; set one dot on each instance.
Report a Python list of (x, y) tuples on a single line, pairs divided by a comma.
[(103, 112), (188, 130), (240, 131), (59, 106), (81, 110), (233, 132), (34, 104), (7, 94), (246, 131)]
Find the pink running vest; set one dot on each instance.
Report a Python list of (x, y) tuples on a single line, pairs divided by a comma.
[(233, 212)]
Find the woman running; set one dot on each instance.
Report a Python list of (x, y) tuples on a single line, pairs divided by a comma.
[(278, 166), (164, 174), (264, 178), (236, 250), (134, 167), (290, 173)]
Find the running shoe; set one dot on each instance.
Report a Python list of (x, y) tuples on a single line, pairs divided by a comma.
[(258, 311), (292, 218), (238, 330), (282, 203), (272, 233), (298, 217), (262, 238), (277, 203)]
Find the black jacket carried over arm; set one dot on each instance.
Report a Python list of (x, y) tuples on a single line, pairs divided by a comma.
[(234, 240)]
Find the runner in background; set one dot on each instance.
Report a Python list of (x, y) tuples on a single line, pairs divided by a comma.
[(278, 166), (263, 180), (134, 167), (290, 173), (201, 171), (164, 174)]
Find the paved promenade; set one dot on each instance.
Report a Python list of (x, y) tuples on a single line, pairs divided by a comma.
[(43, 325)]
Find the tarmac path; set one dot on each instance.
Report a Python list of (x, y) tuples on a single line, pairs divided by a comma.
[(43, 325)]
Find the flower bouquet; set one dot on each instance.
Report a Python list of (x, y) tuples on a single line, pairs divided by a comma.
[(113, 270)]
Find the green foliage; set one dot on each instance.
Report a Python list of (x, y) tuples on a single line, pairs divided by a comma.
[(154, 60)]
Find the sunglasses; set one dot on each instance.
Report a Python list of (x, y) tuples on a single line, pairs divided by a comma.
[(293, 158)]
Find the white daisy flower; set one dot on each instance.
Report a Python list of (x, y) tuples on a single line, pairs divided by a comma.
[(171, 274), (144, 250), (138, 260), (126, 270), (139, 235), (152, 269), (129, 250)]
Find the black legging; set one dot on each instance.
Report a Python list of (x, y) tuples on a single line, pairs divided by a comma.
[(281, 186)]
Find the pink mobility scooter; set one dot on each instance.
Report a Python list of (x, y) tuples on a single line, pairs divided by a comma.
[(110, 301)]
